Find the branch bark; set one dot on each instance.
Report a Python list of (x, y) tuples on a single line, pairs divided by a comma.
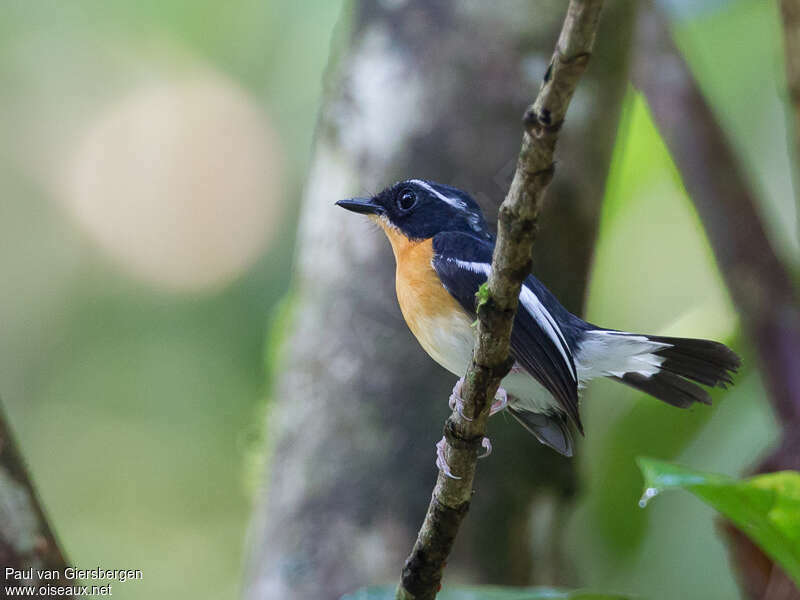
[(26, 539), (760, 286), (511, 262)]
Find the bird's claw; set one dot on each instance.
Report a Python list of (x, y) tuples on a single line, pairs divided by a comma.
[(487, 446), (455, 402), (441, 461), (500, 402)]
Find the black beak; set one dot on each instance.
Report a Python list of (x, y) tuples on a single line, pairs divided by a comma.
[(361, 205)]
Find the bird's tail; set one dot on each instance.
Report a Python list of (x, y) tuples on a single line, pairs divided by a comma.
[(667, 368)]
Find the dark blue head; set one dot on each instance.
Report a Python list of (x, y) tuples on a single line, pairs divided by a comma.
[(420, 209)]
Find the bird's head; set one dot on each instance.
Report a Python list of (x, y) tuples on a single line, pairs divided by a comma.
[(417, 210)]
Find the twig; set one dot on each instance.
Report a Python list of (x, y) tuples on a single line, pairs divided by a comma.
[(511, 263), (26, 540), (760, 285)]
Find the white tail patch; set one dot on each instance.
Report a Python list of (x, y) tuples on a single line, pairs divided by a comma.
[(614, 353)]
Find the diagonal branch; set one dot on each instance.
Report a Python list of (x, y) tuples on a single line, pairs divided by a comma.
[(26, 540), (511, 263)]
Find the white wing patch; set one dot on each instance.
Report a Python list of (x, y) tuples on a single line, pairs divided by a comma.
[(475, 267), (600, 353), (614, 353), (546, 321), (537, 310)]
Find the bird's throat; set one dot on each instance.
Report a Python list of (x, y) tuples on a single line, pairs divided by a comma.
[(401, 245)]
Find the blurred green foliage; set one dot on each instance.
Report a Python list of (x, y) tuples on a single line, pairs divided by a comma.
[(139, 409), (766, 507), (698, 307), (654, 272), (737, 56)]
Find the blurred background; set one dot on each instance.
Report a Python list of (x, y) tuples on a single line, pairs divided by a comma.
[(152, 162)]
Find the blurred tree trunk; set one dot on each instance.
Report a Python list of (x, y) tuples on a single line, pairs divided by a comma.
[(759, 284), (433, 90), (26, 540), (790, 13)]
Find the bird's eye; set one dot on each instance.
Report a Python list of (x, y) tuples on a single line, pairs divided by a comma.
[(406, 200)]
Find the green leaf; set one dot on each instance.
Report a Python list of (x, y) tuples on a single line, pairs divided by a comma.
[(482, 295), (487, 592), (766, 508), (481, 298)]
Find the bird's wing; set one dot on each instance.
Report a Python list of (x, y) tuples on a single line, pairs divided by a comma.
[(463, 263)]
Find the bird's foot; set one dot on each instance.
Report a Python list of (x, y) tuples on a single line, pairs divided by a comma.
[(455, 402), (500, 402), (441, 461), (487, 446)]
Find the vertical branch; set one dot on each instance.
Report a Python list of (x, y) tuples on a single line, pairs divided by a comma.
[(760, 286), (511, 262), (26, 540)]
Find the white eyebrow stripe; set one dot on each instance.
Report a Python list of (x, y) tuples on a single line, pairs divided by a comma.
[(534, 306), (454, 202)]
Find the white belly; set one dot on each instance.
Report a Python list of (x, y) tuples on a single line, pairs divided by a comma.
[(528, 394), (449, 341)]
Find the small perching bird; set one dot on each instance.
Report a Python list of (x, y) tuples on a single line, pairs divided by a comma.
[(443, 249)]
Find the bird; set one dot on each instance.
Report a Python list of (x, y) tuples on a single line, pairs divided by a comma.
[(443, 246)]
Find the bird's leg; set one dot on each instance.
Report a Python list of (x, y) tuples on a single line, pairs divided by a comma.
[(455, 402), (487, 445), (441, 462), (500, 402)]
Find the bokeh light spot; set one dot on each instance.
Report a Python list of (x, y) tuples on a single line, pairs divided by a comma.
[(178, 182)]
